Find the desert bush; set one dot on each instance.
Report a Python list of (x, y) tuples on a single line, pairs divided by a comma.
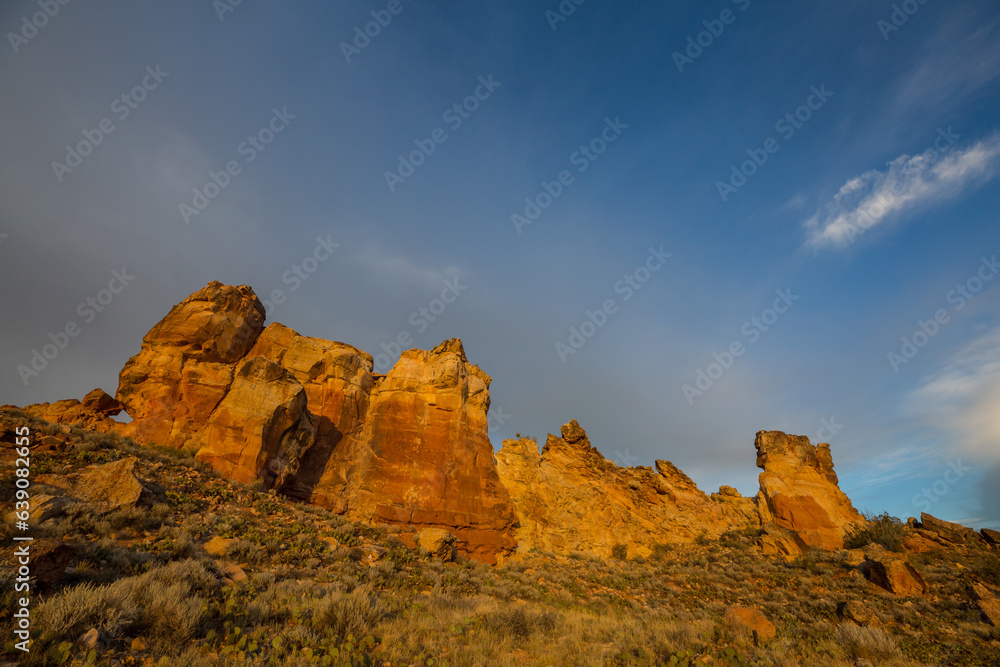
[(75, 610), (883, 529), (867, 643), (243, 551), (355, 613), (988, 569), (518, 623), (619, 551)]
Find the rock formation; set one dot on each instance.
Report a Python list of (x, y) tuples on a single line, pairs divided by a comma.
[(309, 418), (798, 489), (570, 498)]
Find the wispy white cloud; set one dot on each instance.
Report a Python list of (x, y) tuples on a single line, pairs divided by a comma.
[(965, 397), (961, 61), (878, 197)]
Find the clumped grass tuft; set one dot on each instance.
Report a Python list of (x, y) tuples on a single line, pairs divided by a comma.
[(519, 623), (868, 643), (883, 529)]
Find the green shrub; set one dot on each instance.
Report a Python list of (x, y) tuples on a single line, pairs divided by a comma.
[(988, 569), (619, 551), (885, 530)]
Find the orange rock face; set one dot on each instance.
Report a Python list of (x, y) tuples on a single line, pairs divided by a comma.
[(309, 417), (798, 489), (570, 498), (186, 364)]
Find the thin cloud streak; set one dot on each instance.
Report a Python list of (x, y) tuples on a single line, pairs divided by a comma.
[(876, 198)]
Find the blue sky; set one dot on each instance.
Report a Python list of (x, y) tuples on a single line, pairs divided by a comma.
[(870, 205)]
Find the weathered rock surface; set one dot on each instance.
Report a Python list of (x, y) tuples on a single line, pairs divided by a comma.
[(990, 536), (987, 602), (311, 419), (429, 459), (750, 620), (858, 613), (261, 427), (570, 498), (798, 489), (892, 572), (93, 413), (186, 364), (110, 486), (778, 541), (955, 533)]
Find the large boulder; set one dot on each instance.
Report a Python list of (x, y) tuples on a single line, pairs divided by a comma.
[(261, 428), (570, 498), (892, 572), (186, 364), (110, 486), (338, 382), (799, 491)]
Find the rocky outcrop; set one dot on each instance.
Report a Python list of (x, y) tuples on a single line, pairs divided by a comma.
[(311, 419), (93, 413), (947, 532), (892, 572), (260, 428), (570, 498), (798, 489), (186, 364), (988, 603)]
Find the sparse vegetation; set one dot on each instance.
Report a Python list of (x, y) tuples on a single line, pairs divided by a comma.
[(321, 590), (883, 529)]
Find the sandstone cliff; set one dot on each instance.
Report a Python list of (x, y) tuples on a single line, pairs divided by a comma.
[(309, 418), (799, 491), (570, 498)]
